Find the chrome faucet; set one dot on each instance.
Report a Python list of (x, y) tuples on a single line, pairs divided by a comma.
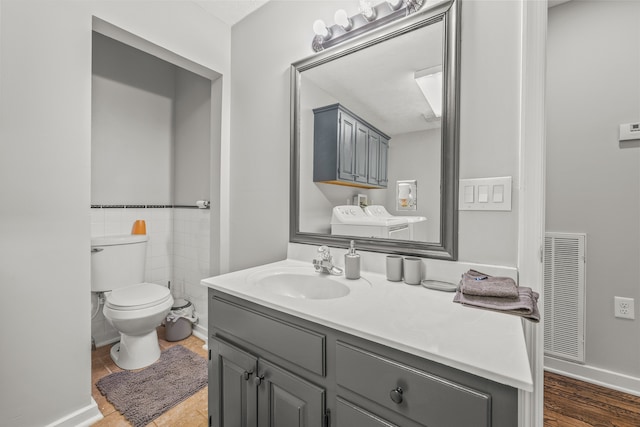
[(323, 263)]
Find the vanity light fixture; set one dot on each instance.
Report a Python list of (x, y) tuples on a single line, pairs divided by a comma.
[(367, 10), (395, 4), (371, 16), (341, 18), (430, 83), (321, 30)]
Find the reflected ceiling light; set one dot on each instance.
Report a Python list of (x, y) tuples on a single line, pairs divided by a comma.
[(371, 16), (430, 83), (321, 29), (341, 18)]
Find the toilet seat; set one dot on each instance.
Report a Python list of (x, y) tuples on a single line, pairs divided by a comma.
[(137, 297)]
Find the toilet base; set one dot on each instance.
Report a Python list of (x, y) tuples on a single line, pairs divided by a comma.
[(135, 352)]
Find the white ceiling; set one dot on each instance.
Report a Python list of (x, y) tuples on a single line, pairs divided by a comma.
[(230, 11)]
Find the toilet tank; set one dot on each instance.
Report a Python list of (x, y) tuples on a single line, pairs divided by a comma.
[(117, 261)]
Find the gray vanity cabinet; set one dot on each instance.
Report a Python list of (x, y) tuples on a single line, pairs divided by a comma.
[(346, 149), (251, 392), (231, 385), (246, 389), (426, 398), (271, 369), (285, 399)]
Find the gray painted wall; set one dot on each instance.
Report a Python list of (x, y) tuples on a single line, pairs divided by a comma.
[(151, 129), (132, 129), (489, 123), (192, 157), (593, 181), (45, 173), (268, 41), (416, 155)]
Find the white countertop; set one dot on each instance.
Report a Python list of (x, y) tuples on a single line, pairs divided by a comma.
[(409, 318)]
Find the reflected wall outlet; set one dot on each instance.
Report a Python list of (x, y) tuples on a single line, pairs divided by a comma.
[(624, 307)]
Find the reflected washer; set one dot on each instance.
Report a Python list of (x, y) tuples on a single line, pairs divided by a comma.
[(417, 224), (350, 220)]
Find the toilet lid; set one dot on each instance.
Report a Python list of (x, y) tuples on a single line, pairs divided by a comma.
[(138, 296)]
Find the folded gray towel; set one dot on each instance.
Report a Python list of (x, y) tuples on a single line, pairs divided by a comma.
[(526, 305), (480, 284)]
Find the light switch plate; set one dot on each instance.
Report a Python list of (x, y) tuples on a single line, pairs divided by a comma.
[(468, 195), (485, 194)]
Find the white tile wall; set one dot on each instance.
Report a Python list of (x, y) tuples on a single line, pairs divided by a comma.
[(177, 252), (191, 246)]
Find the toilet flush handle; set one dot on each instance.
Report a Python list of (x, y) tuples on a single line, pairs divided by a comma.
[(94, 250)]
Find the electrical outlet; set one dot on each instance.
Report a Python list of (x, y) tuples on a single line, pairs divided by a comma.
[(624, 307)]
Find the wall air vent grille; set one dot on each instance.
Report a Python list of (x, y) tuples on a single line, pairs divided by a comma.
[(564, 295)]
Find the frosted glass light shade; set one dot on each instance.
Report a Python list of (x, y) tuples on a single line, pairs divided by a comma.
[(394, 4), (320, 28), (341, 18), (367, 10)]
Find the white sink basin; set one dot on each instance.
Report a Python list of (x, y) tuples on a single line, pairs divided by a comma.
[(301, 284)]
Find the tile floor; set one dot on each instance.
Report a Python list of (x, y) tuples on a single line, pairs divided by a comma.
[(190, 413)]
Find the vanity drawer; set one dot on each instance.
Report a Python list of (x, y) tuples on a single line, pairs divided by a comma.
[(420, 396), (350, 415), (300, 346)]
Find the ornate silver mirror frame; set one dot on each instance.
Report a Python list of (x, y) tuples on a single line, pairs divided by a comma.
[(447, 12)]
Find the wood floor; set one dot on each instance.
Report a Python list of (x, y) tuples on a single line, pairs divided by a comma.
[(193, 412), (573, 403)]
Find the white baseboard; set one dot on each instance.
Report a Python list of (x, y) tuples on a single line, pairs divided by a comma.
[(201, 332), (83, 417), (102, 341), (591, 374)]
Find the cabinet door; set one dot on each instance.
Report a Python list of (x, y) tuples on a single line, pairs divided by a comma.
[(286, 400), (232, 393), (373, 177), (384, 156), (361, 153), (347, 147)]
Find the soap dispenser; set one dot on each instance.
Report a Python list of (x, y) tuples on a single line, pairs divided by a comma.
[(352, 263)]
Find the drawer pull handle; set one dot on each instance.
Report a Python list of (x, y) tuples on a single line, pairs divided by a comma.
[(258, 380), (396, 395), (246, 375)]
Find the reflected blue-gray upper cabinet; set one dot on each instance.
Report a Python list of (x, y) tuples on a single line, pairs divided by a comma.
[(347, 147), (384, 156), (347, 150)]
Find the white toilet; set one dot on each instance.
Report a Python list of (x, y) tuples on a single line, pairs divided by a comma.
[(133, 307)]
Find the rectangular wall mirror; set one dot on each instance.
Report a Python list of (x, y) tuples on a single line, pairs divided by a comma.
[(368, 116)]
